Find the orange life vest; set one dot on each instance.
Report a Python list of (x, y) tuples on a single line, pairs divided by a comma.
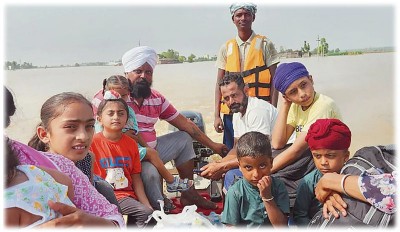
[(256, 73)]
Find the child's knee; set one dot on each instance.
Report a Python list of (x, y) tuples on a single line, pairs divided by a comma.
[(151, 153)]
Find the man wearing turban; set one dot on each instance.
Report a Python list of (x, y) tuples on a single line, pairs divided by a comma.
[(252, 56), (329, 141), (301, 106), (149, 106)]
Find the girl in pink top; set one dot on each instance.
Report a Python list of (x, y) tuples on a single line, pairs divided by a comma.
[(92, 209)]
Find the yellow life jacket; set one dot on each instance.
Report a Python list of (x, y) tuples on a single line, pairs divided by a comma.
[(256, 73)]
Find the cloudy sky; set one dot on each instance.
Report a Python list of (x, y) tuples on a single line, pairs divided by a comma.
[(54, 34)]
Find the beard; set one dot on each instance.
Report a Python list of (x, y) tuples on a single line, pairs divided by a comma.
[(141, 89), (239, 107), (236, 107)]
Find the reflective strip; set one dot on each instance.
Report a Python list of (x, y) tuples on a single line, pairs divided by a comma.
[(326, 221), (385, 220), (355, 165), (369, 215)]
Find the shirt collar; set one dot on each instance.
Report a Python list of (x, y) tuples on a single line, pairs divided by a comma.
[(240, 42)]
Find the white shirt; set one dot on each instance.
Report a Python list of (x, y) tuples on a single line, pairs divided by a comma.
[(259, 116)]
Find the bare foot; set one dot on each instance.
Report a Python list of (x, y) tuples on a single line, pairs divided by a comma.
[(192, 197)]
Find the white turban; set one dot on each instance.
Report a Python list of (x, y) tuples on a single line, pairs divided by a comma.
[(245, 5), (137, 56)]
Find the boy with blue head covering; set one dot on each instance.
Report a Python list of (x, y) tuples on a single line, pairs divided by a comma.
[(301, 106)]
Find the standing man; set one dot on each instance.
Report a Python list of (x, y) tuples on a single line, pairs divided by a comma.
[(252, 56), (149, 106)]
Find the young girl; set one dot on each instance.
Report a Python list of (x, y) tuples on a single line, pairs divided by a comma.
[(120, 84), (91, 208), (117, 160), (67, 128), (28, 190)]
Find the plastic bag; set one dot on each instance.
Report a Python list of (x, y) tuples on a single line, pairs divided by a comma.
[(187, 218)]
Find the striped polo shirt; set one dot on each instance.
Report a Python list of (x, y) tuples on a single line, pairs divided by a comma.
[(153, 108)]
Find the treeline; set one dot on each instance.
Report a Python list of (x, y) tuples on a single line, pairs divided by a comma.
[(172, 55), (13, 65)]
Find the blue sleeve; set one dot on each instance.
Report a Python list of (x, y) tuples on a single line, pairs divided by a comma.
[(231, 213), (132, 123)]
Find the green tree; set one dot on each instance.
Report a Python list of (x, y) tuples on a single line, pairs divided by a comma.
[(323, 47), (12, 65), (182, 59), (170, 54), (306, 47), (191, 58)]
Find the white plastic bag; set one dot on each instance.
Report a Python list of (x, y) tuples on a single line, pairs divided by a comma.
[(187, 218)]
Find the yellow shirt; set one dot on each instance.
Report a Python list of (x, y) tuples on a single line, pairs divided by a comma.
[(323, 107)]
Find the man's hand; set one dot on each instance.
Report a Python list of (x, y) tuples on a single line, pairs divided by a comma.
[(213, 171), (218, 125), (73, 217), (322, 193), (220, 148), (333, 203)]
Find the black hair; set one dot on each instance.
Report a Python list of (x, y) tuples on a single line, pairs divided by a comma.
[(232, 77), (254, 144), (9, 107), (103, 104), (115, 80), (11, 160)]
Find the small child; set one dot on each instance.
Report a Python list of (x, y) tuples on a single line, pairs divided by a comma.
[(258, 199), (329, 141), (120, 84), (28, 190), (117, 160)]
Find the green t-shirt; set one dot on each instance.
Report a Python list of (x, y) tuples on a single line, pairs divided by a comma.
[(306, 204), (244, 206)]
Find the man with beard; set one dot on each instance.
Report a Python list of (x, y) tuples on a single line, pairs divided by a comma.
[(249, 114), (149, 106), (251, 55)]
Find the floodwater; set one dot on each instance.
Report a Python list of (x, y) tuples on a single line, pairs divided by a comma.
[(363, 87)]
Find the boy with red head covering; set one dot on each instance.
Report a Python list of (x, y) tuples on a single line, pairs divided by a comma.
[(329, 141)]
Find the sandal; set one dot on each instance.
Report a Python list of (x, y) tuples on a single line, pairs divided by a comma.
[(179, 185), (168, 205)]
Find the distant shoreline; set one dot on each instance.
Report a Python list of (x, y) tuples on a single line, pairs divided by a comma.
[(293, 55)]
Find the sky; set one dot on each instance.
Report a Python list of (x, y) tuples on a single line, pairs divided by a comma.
[(45, 33)]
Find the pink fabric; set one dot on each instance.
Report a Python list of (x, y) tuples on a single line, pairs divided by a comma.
[(154, 107), (98, 97), (86, 196)]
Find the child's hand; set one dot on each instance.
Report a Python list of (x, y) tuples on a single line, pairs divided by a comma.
[(130, 133), (264, 185), (286, 101)]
